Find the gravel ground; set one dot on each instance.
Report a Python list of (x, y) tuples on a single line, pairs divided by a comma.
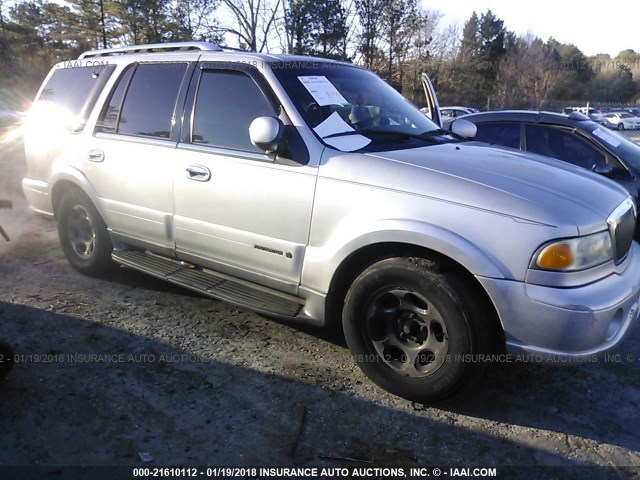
[(115, 367)]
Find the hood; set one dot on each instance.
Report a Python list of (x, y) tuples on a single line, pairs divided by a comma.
[(525, 186)]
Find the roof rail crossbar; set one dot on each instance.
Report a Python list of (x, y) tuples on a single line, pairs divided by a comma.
[(152, 47)]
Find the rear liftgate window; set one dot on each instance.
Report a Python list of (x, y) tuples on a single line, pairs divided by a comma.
[(75, 89)]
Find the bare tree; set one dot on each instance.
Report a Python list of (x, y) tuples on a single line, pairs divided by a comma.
[(527, 76), (194, 20), (255, 21)]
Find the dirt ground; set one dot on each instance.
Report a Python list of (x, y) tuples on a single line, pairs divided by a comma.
[(127, 370)]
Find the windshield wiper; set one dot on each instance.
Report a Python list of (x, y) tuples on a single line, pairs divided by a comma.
[(385, 132)]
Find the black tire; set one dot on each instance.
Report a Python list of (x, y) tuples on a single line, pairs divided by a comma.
[(83, 234), (6, 358), (414, 330), (620, 126)]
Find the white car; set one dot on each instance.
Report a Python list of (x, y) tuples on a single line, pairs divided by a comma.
[(622, 121), (447, 113)]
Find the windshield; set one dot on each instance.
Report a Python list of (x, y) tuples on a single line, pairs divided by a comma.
[(350, 108), (624, 149)]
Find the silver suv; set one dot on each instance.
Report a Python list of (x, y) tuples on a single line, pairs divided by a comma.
[(311, 190)]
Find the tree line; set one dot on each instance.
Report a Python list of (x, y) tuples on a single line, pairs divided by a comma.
[(482, 64)]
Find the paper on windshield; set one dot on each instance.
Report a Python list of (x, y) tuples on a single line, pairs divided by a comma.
[(335, 124), (332, 125), (607, 136), (349, 143), (322, 90)]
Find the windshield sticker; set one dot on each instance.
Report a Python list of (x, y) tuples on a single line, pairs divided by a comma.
[(322, 90), (348, 143), (335, 125), (607, 136)]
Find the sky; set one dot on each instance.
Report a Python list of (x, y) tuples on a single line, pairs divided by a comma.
[(593, 27)]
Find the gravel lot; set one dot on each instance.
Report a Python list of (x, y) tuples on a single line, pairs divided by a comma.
[(112, 368)]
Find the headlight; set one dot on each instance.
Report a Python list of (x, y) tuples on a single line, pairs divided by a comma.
[(574, 253)]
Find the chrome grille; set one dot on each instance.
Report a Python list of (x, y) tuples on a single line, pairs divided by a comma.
[(622, 225)]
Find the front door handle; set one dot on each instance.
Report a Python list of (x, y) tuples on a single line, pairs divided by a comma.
[(198, 173), (96, 155)]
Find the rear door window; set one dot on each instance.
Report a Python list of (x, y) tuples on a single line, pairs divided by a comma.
[(499, 133), (150, 101)]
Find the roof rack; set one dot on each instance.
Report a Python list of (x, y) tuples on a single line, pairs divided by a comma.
[(152, 47)]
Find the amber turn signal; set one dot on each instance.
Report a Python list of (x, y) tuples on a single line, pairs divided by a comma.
[(555, 257)]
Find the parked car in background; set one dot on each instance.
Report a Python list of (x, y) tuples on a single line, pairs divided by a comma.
[(593, 113), (447, 113), (622, 121), (574, 139)]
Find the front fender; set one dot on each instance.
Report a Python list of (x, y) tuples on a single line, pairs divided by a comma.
[(321, 262)]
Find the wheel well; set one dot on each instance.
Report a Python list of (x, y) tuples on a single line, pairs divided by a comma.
[(361, 259), (58, 189)]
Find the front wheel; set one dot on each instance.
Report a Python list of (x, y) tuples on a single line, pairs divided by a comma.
[(83, 234), (620, 126), (412, 330)]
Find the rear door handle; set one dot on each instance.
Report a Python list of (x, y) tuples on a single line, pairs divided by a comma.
[(198, 173), (96, 155)]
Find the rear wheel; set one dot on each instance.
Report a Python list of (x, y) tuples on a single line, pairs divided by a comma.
[(413, 331), (83, 234)]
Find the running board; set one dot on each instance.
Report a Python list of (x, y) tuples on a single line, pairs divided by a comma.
[(212, 284)]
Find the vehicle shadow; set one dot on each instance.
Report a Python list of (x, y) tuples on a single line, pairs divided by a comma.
[(593, 401), (83, 393), (576, 400)]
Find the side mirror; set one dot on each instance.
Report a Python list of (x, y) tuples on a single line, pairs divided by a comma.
[(602, 168), (464, 128), (266, 133)]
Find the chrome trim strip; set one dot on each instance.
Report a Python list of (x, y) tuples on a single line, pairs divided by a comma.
[(159, 142), (614, 220)]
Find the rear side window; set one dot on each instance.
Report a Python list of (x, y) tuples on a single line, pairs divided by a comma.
[(150, 100), (226, 104), (564, 145), (71, 88), (499, 133)]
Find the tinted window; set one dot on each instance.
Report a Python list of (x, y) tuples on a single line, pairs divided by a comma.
[(108, 121), (226, 104), (499, 133), (564, 145), (151, 98), (71, 87)]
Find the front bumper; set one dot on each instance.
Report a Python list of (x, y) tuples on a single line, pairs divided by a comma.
[(548, 324)]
